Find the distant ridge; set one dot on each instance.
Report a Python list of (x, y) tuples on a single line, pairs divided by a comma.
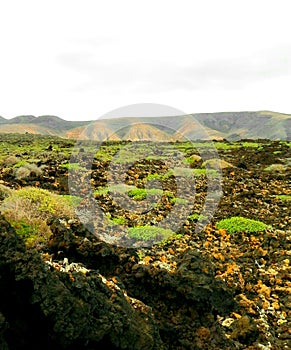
[(222, 125), (22, 119)]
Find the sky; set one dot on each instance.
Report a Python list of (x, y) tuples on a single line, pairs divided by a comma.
[(82, 59)]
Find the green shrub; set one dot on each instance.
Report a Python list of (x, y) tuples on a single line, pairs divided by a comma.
[(101, 191), (178, 200), (168, 241), (275, 168), (118, 221), (142, 193), (284, 197), (30, 233), (209, 172), (196, 217), (138, 193), (20, 164), (241, 224), (72, 166), (181, 172), (73, 201), (119, 188), (194, 158), (29, 208), (147, 233), (155, 176)]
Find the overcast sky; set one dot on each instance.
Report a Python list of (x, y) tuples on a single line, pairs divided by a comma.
[(81, 59)]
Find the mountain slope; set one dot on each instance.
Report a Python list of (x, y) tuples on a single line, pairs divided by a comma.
[(97, 131), (146, 132), (21, 119), (223, 125), (26, 128)]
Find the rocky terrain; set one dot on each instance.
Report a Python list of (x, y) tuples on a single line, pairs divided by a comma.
[(200, 289)]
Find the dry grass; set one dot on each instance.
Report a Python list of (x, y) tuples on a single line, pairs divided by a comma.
[(10, 161), (4, 192), (32, 207), (27, 170)]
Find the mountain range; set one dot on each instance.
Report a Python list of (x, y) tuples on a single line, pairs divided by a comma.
[(216, 126)]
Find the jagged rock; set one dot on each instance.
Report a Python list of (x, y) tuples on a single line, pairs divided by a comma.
[(65, 310), (245, 330), (3, 326), (192, 288)]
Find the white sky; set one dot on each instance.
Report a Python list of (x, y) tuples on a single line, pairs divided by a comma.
[(81, 59)]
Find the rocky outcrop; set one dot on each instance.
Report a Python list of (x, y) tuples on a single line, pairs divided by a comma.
[(61, 306), (185, 300)]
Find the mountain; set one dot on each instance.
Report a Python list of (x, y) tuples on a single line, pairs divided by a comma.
[(45, 125), (56, 123), (222, 125), (93, 131), (22, 119), (253, 125)]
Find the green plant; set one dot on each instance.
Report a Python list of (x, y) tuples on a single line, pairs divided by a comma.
[(201, 172), (138, 193), (196, 217), (178, 200), (157, 157), (284, 197), (189, 173), (29, 232), (72, 166), (168, 241), (29, 208), (20, 164), (275, 168), (251, 145), (119, 220), (147, 233), (181, 172), (140, 254), (119, 188), (241, 224), (101, 191), (74, 201), (154, 176), (194, 158), (142, 193)]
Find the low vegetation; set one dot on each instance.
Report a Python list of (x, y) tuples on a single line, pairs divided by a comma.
[(72, 166), (238, 224), (143, 193), (196, 217), (27, 170), (28, 210), (284, 197), (132, 258), (275, 168), (147, 233), (4, 192)]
